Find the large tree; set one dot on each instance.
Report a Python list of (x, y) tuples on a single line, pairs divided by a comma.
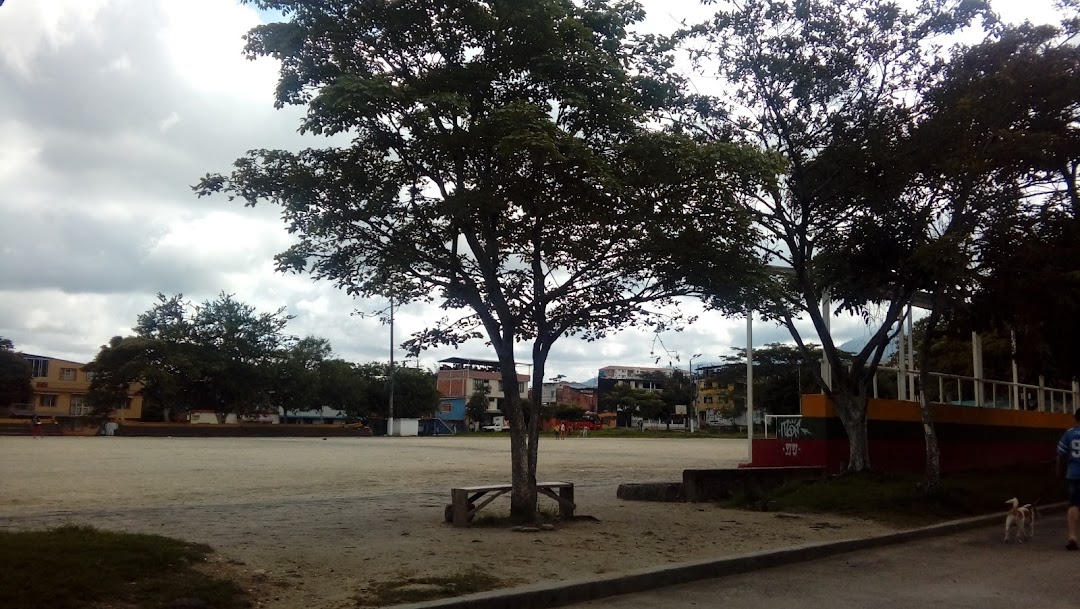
[(415, 392), (15, 375), (214, 355), (1020, 88), (505, 156), (830, 86), (295, 375)]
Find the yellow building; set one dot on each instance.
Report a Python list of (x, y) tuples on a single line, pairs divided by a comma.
[(60, 388), (715, 401)]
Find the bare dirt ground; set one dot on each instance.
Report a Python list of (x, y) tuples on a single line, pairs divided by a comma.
[(312, 523)]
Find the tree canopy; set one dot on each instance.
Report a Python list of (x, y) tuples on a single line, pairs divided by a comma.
[(15, 375), (834, 88), (509, 157)]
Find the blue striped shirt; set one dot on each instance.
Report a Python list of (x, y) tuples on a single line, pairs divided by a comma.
[(1069, 445)]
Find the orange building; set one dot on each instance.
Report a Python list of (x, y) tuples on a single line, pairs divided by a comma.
[(461, 378)]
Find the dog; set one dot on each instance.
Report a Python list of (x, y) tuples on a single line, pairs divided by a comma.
[(1020, 518)]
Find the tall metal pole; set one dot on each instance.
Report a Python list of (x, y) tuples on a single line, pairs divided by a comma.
[(750, 386), (390, 419)]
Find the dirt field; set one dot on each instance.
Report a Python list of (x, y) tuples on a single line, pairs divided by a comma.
[(314, 522)]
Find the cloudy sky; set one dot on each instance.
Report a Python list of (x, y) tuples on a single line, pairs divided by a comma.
[(111, 109)]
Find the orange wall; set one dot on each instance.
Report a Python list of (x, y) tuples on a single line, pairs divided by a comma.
[(816, 405)]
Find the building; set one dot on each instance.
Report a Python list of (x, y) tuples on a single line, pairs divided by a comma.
[(459, 378), (636, 377), (715, 399), (451, 417), (631, 372), (60, 392), (576, 394)]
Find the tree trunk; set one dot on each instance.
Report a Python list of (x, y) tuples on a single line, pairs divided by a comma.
[(539, 366), (166, 411), (933, 452), (851, 408), (523, 493)]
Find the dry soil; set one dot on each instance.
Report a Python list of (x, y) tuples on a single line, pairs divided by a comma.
[(313, 523)]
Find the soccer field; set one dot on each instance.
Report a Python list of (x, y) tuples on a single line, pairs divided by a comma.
[(95, 472), (319, 520)]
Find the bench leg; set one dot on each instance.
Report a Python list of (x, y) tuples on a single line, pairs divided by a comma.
[(459, 498), (566, 507)]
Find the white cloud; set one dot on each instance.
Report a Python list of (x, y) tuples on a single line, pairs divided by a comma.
[(169, 122), (113, 108)]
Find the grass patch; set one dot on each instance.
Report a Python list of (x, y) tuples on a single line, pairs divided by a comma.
[(898, 499), (416, 589), (79, 567)]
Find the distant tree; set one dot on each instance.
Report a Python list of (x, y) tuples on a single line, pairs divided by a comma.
[(214, 355), (637, 402), (117, 366), (512, 158), (416, 392), (295, 375), (15, 376), (782, 373), (678, 389), (477, 405), (343, 387), (568, 412)]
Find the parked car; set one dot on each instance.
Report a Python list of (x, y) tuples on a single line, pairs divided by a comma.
[(492, 427)]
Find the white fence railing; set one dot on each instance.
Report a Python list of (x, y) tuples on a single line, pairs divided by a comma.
[(981, 393)]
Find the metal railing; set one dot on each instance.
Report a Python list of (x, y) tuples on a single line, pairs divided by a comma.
[(979, 393)]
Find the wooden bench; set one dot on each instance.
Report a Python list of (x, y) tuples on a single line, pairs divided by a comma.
[(463, 506)]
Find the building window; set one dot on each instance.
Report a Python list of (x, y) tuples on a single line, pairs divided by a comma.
[(479, 385), (445, 407), (67, 374), (521, 388), (125, 405), (79, 404), (39, 365), (89, 377), (47, 400)]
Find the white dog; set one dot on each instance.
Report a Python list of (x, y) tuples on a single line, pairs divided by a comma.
[(1021, 518)]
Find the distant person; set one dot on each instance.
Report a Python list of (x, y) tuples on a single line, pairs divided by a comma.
[(35, 427), (1068, 462)]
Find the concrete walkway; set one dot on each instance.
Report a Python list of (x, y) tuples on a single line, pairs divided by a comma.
[(965, 570)]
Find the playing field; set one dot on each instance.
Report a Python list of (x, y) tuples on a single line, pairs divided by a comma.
[(320, 519)]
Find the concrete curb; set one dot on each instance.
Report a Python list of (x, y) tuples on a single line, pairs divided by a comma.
[(558, 594)]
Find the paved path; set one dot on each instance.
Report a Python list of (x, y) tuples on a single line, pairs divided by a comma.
[(968, 570)]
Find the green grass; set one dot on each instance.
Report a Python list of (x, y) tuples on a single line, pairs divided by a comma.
[(416, 589), (899, 499), (79, 567)]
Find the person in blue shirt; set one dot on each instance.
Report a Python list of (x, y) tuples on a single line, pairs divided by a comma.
[(1068, 462)]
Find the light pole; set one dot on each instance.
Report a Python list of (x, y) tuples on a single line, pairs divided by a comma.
[(693, 391), (390, 419)]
